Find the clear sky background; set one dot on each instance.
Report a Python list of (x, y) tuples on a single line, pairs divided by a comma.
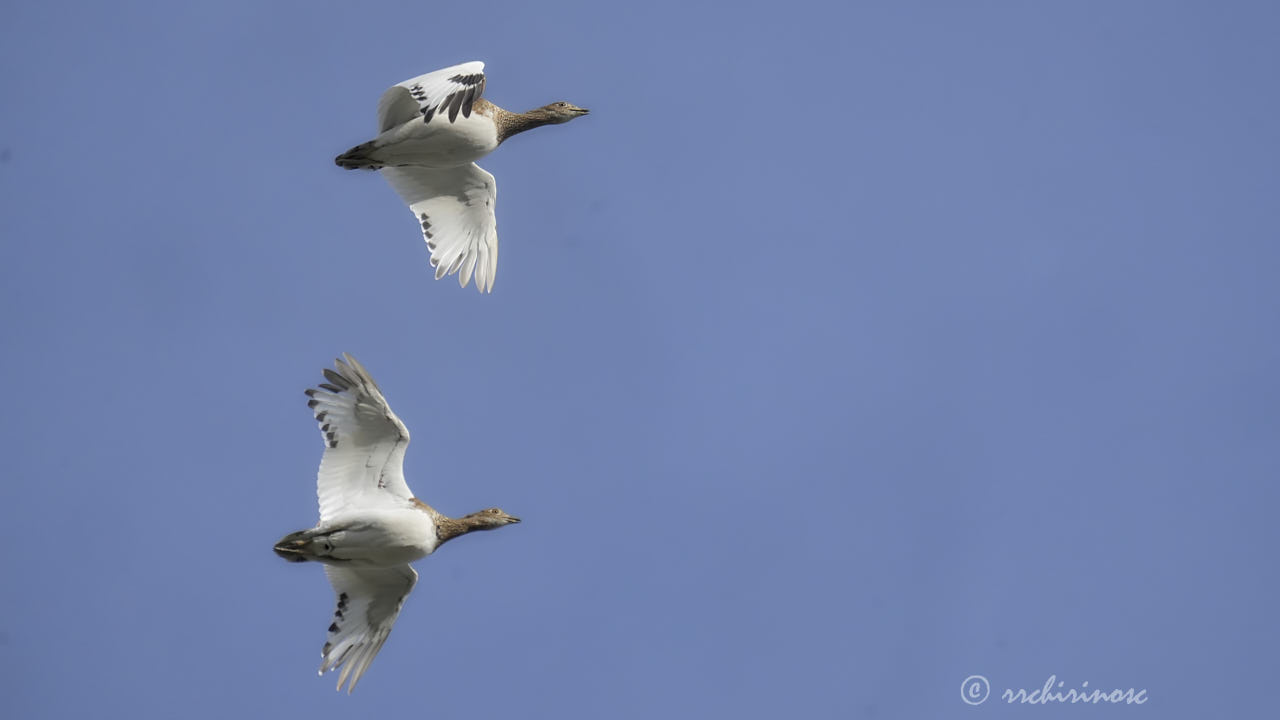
[(841, 353)]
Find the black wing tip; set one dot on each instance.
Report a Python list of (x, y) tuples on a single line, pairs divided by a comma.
[(470, 80), (362, 375), (455, 104)]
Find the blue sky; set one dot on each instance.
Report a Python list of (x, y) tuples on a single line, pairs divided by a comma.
[(840, 354)]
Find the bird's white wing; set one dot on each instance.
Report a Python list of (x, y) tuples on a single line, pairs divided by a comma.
[(455, 207), (444, 92), (365, 442), (369, 601)]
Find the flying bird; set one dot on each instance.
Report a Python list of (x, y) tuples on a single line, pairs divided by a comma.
[(371, 525), (431, 130)]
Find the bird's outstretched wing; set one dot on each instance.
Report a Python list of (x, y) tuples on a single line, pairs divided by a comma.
[(455, 208), (363, 462), (369, 601), (443, 93)]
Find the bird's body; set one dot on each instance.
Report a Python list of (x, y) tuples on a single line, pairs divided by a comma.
[(371, 537), (441, 144), (431, 131), (371, 526)]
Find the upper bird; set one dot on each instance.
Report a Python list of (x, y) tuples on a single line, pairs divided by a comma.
[(431, 130), (371, 526)]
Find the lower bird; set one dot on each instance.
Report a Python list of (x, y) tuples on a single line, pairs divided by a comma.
[(371, 525), (431, 130)]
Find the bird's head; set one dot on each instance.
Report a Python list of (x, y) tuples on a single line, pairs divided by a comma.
[(562, 112), (490, 519)]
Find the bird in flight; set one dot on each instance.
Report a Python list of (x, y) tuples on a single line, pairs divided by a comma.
[(431, 130), (371, 525)]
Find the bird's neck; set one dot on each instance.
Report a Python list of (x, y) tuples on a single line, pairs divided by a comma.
[(510, 123), (448, 528)]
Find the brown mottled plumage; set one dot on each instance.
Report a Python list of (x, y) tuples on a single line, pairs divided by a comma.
[(448, 528), (512, 123)]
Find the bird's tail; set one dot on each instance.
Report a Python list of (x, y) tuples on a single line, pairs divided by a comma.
[(301, 546), (359, 158)]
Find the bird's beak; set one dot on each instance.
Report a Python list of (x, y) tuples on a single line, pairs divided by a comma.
[(512, 519), (582, 111)]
